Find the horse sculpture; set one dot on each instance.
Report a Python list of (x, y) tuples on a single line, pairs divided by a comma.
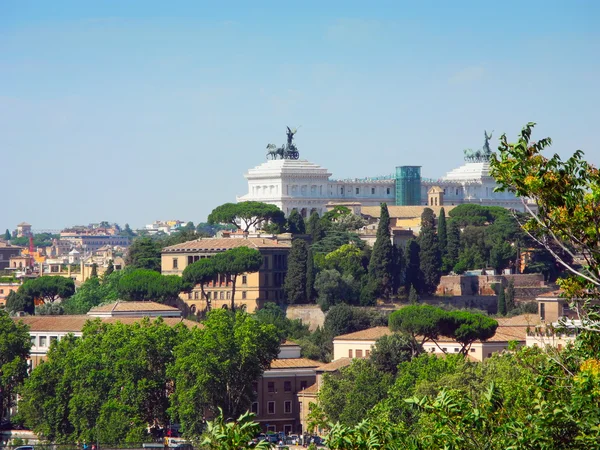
[(286, 151), (274, 151)]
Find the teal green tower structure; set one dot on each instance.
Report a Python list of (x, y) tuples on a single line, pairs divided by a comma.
[(408, 185)]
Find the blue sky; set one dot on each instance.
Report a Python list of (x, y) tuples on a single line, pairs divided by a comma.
[(142, 110)]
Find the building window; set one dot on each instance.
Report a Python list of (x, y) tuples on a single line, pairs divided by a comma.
[(444, 349), (175, 263), (228, 295), (1, 291), (265, 262), (254, 408), (32, 338), (489, 355), (195, 295), (542, 311), (368, 353), (222, 295), (287, 407), (455, 349), (287, 429), (243, 295), (303, 385), (359, 353), (350, 353), (357, 191), (53, 339), (208, 295), (472, 350), (271, 407), (43, 340), (244, 279), (287, 386), (271, 386), (387, 191), (266, 295), (372, 191)]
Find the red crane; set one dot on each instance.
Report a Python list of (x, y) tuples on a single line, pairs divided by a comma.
[(31, 259)]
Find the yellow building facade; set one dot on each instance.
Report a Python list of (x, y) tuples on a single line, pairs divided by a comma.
[(252, 290)]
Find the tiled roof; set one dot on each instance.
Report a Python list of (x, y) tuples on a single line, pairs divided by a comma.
[(74, 324), (336, 365), (521, 320), (553, 294), (511, 333), (222, 244), (406, 212), (370, 334), (124, 306), (294, 363), (310, 390)]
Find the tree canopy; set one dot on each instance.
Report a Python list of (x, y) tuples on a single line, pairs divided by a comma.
[(14, 352), (245, 215), (48, 288), (144, 253), (295, 279), (148, 285)]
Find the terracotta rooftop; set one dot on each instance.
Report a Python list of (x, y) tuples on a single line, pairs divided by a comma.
[(124, 306), (336, 365), (370, 334), (521, 320), (74, 324), (294, 363), (310, 390), (404, 212), (222, 244)]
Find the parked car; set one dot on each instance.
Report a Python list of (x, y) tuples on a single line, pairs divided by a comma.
[(25, 447)]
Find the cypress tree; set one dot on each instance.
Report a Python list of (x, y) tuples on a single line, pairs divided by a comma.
[(310, 276), (7, 235), (295, 280), (430, 258), (441, 232), (452, 246), (296, 223), (411, 272), (94, 273), (110, 268), (314, 227), (501, 302), (510, 296), (382, 258), (398, 267), (413, 297)]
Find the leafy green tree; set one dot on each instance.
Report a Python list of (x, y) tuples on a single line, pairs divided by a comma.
[(442, 232), (411, 273), (510, 296), (144, 253), (235, 350), (148, 285), (94, 292), (397, 268), (382, 258), (422, 323), (200, 273), (334, 239), (348, 396), (237, 261), (245, 215), (343, 319), (314, 227), (333, 288), (310, 276), (127, 231), (450, 258), (89, 387), (222, 434), (48, 288), (295, 223), (466, 327), (16, 301), (501, 301), (347, 260), (272, 314), (430, 258), (7, 235), (389, 351), (14, 352), (109, 269), (49, 309), (295, 280)]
